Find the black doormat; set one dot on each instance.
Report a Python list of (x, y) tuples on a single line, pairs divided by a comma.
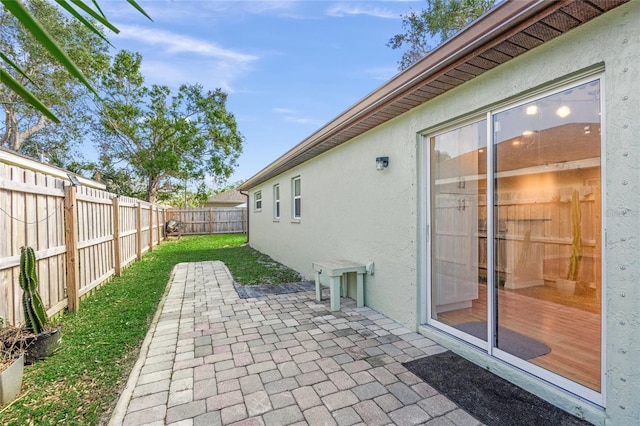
[(487, 397), (509, 341)]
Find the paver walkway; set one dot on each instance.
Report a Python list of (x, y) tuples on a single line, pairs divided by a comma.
[(212, 358)]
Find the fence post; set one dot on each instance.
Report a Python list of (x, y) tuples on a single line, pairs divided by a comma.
[(72, 271), (165, 218), (150, 227), (117, 261), (139, 231), (210, 220), (158, 221)]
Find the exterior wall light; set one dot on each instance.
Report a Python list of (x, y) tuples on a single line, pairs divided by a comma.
[(382, 162)]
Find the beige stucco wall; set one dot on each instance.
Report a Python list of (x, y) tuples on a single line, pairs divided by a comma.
[(352, 211)]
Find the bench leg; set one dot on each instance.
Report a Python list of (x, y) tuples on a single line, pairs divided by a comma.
[(360, 291), (318, 288), (334, 288)]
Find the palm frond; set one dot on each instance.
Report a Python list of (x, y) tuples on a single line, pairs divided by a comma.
[(66, 6), (25, 94), (32, 25)]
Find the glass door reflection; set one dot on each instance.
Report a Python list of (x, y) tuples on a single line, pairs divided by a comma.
[(458, 228), (547, 204)]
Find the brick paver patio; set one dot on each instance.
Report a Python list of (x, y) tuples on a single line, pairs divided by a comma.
[(212, 358)]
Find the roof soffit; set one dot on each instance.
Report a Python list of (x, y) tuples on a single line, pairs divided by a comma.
[(503, 33)]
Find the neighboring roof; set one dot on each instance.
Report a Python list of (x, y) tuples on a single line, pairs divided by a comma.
[(230, 196), (506, 31)]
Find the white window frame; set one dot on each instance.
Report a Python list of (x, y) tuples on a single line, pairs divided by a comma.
[(296, 216), (257, 201), (276, 202)]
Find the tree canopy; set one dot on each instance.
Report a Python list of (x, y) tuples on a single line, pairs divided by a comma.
[(163, 137), (427, 29), (25, 128), (32, 24)]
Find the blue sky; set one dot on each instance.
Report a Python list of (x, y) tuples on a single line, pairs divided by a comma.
[(288, 67)]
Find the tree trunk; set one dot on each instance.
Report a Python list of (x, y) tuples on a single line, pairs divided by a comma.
[(22, 136), (7, 128), (152, 189), (13, 137)]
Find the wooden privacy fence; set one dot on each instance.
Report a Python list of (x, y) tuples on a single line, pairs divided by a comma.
[(82, 236), (211, 220)]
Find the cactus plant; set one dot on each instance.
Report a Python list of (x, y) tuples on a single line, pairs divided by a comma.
[(35, 315), (576, 246)]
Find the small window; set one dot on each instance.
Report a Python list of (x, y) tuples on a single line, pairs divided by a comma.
[(276, 201), (257, 198), (297, 199)]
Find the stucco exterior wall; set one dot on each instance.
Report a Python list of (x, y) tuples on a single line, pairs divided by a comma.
[(352, 211), (610, 43)]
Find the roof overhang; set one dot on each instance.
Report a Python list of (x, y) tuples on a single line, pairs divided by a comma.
[(506, 31)]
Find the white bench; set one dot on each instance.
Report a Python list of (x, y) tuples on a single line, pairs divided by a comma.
[(335, 269)]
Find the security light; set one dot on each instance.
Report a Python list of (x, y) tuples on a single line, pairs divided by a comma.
[(382, 162)]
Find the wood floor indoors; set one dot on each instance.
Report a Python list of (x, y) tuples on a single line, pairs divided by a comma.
[(572, 333)]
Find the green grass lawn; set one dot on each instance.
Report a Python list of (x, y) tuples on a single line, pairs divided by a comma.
[(100, 345)]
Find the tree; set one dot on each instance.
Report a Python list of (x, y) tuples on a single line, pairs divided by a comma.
[(33, 26), (24, 128), (228, 186), (179, 195), (160, 136), (425, 30), (118, 181)]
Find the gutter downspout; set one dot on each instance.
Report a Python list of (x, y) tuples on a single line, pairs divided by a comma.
[(246, 195)]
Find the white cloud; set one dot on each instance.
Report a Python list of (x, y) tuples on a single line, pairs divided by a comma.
[(283, 111), (292, 116), (178, 43), (382, 73), (210, 74), (217, 10), (341, 10), (173, 59), (302, 120), (276, 7)]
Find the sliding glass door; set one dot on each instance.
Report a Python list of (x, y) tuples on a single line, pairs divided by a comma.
[(458, 227), (515, 266)]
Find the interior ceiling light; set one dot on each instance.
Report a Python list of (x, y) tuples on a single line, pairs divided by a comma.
[(527, 133), (516, 142), (563, 111), (532, 110)]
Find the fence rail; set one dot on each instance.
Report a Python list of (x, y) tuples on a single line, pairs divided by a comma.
[(82, 236), (211, 220)]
